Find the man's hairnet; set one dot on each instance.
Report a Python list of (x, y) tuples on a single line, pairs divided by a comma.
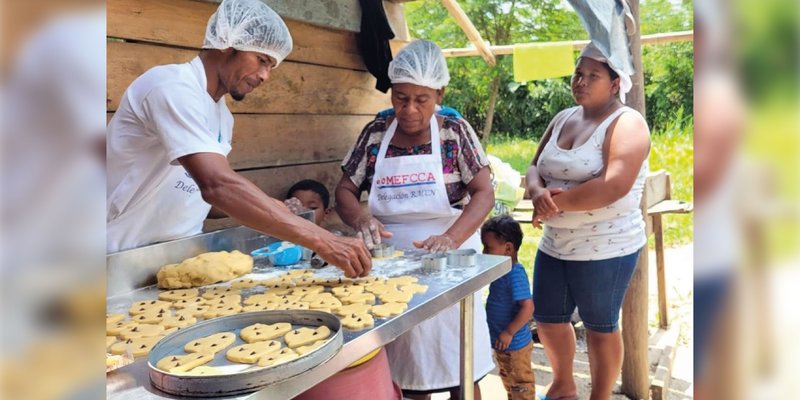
[(421, 63), (248, 25), (625, 84)]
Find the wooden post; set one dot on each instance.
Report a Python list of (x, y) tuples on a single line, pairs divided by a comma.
[(663, 320), (635, 367)]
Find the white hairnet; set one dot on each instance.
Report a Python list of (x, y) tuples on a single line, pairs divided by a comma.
[(421, 63), (248, 25), (625, 83)]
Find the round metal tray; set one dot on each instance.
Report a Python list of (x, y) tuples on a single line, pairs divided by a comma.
[(244, 378)]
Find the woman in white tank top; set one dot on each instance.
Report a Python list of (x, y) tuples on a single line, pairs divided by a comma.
[(586, 181)]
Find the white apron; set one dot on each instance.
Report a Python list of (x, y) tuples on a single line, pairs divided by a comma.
[(409, 197)]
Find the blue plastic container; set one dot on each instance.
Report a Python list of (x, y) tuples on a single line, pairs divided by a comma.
[(287, 256)]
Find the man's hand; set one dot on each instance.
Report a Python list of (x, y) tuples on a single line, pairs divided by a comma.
[(436, 243), (503, 341), (348, 254), (370, 230)]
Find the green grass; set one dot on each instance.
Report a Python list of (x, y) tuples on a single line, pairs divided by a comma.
[(672, 150)]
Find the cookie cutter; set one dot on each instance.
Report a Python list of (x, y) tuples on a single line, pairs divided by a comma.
[(434, 261), (382, 250), (462, 257)]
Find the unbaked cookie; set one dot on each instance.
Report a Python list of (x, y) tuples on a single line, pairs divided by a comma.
[(211, 344), (304, 290), (225, 299), (178, 294), (245, 283), (141, 331), (401, 280), (357, 322), (117, 327), (364, 298), (178, 321), (183, 363), (378, 288), (221, 310), (309, 348), (192, 301), (344, 291), (414, 288), (304, 336), (249, 353), (137, 346), (356, 308), (317, 296), (325, 304), (152, 316), (396, 296), (219, 291), (114, 318), (142, 306), (388, 309), (193, 311), (259, 332), (279, 357)]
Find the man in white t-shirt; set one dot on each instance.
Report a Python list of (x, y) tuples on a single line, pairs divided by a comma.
[(169, 139)]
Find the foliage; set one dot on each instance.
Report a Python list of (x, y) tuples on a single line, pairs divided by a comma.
[(525, 109)]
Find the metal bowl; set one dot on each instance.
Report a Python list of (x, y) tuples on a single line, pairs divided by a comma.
[(462, 257), (248, 378)]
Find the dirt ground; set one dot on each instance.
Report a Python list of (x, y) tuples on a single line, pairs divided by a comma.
[(680, 292)]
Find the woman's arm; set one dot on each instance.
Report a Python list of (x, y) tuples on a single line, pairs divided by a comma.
[(544, 206), (480, 203), (625, 149)]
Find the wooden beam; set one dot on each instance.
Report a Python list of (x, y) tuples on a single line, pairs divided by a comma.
[(659, 38), (469, 29), (635, 365), (293, 88)]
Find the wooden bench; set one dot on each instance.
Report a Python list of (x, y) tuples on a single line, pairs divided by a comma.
[(658, 201)]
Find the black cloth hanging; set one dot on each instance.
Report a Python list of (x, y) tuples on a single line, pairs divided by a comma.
[(373, 42)]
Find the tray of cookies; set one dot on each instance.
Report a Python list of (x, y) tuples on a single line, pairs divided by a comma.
[(244, 352)]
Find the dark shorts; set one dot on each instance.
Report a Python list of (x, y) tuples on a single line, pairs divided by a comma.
[(596, 287)]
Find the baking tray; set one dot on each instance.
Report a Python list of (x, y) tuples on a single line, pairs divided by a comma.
[(247, 377)]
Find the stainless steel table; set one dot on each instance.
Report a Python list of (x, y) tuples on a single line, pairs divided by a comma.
[(132, 273)]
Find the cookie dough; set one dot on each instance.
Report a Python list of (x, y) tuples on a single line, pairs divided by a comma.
[(192, 301), (259, 332), (178, 321), (193, 311), (228, 299), (401, 280), (304, 290), (344, 291), (117, 327), (414, 288), (141, 331), (245, 283), (215, 292), (205, 269), (365, 298), (211, 344), (152, 316), (379, 288), (309, 348), (250, 353), (113, 318), (221, 310), (142, 306), (327, 304)]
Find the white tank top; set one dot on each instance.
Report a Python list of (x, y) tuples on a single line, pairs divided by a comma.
[(612, 231)]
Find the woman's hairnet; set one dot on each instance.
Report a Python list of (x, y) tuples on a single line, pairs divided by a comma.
[(248, 25), (625, 84), (421, 63)]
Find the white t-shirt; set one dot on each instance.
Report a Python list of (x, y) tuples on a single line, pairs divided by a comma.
[(613, 231), (164, 114)]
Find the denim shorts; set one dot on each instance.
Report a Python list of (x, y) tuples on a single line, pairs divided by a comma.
[(596, 287)]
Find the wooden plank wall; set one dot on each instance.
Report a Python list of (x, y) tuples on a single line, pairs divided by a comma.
[(297, 125)]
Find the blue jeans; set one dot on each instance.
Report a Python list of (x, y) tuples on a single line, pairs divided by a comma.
[(597, 288)]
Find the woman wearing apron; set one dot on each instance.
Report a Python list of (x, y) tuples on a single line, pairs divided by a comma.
[(429, 187)]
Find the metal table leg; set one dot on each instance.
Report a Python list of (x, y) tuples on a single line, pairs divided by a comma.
[(467, 383)]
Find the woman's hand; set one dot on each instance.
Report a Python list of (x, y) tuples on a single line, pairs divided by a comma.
[(436, 243), (543, 205), (370, 230)]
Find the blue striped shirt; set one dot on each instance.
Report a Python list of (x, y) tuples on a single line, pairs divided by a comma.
[(502, 305)]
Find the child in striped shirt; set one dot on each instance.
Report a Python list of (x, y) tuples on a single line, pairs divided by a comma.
[(509, 309)]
